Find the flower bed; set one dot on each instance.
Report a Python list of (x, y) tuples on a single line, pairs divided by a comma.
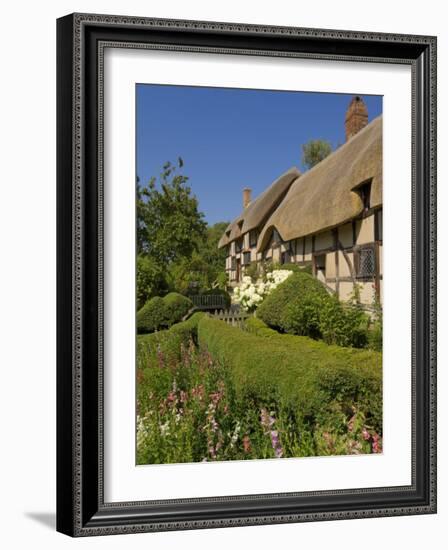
[(207, 391)]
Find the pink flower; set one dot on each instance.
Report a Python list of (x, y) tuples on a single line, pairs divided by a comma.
[(365, 434), (246, 444), (376, 445), (351, 423), (171, 397), (267, 421)]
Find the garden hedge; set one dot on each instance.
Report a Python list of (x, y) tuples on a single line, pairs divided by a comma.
[(305, 374), (176, 307), (162, 312), (151, 316), (169, 341)]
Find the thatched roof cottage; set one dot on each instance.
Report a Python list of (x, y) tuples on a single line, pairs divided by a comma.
[(329, 218)]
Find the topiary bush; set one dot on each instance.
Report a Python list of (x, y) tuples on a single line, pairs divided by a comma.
[(160, 313), (294, 305), (151, 316), (169, 341), (176, 306), (302, 305)]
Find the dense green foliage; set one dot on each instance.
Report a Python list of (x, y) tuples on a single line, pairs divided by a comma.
[(168, 341), (375, 335), (176, 249), (202, 270), (301, 305), (162, 312), (150, 279), (151, 316), (169, 223), (176, 306), (306, 375), (294, 305), (219, 401), (314, 152)]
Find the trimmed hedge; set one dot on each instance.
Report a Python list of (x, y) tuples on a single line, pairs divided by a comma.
[(176, 307), (169, 341), (306, 375), (151, 316), (162, 312)]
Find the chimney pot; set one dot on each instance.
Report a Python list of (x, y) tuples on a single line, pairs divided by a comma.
[(247, 196)]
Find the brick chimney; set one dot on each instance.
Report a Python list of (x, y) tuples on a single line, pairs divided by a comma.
[(356, 117), (247, 196)]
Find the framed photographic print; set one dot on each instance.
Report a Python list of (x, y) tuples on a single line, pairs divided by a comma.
[(246, 274)]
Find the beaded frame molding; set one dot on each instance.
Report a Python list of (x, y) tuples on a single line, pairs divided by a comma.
[(81, 40)]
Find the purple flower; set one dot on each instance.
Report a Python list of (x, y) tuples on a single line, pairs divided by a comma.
[(276, 445)]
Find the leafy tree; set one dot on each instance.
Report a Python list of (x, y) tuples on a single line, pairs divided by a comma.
[(169, 223), (314, 151), (150, 278), (206, 266), (189, 275), (215, 257)]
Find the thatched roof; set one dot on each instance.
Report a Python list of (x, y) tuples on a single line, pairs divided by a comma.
[(324, 197), (260, 208)]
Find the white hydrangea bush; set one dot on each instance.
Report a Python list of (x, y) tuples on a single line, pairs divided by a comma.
[(250, 295)]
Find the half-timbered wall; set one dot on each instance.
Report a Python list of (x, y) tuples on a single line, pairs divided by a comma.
[(342, 257)]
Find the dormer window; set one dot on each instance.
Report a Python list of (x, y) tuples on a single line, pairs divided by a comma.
[(238, 245), (253, 236), (364, 194)]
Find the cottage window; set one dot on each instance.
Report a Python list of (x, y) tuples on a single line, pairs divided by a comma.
[(320, 263), (364, 194), (238, 245), (233, 265), (253, 236), (365, 263), (246, 258)]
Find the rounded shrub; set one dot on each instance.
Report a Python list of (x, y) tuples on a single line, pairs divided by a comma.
[(302, 305), (151, 316), (176, 306), (294, 305)]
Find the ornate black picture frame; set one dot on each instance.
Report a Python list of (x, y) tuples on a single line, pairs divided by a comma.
[(81, 509)]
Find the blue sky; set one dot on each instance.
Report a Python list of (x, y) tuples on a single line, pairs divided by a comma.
[(230, 138)]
